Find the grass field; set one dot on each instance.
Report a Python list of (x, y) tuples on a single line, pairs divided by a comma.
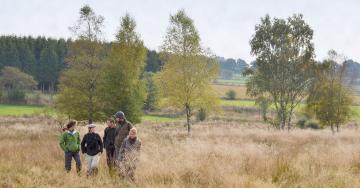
[(243, 103), (158, 119), (225, 155), (230, 82), (19, 110), (222, 89)]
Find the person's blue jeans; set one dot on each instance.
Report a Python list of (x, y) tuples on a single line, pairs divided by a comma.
[(68, 158)]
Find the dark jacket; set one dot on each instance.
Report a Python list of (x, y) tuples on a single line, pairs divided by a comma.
[(109, 138), (121, 132), (91, 144)]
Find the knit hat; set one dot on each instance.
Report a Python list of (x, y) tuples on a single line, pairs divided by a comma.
[(119, 114)]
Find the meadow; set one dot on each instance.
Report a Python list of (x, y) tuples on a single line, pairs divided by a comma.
[(19, 110), (216, 154)]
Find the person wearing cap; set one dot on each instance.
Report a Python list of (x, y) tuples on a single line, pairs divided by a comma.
[(70, 143), (129, 155), (92, 145), (109, 145), (123, 127)]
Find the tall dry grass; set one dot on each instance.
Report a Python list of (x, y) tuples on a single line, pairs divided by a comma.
[(217, 154)]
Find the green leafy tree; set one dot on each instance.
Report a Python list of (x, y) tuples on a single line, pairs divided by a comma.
[(79, 95), (330, 96), (284, 62), (153, 62), (121, 79), (16, 83), (152, 97), (188, 69)]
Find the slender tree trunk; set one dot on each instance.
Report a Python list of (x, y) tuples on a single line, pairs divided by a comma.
[(289, 122), (188, 115), (337, 127), (282, 119), (90, 110), (332, 129)]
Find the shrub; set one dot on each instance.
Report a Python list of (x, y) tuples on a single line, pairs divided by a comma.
[(306, 123), (301, 122), (313, 124), (201, 115), (231, 95)]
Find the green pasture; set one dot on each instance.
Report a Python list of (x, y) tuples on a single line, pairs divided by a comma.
[(20, 110)]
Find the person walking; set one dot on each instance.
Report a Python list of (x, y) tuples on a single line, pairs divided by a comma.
[(70, 143), (123, 127), (129, 155), (109, 143), (92, 145)]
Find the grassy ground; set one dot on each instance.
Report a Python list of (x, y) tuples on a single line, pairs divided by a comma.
[(158, 119), (18, 110), (21, 110), (222, 89), (244, 103), (225, 155), (230, 82)]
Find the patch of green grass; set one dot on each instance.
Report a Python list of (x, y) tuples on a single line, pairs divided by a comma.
[(159, 119), (19, 110), (245, 103), (357, 113), (231, 82)]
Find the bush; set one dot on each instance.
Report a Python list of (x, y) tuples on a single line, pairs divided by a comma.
[(231, 95), (301, 123), (313, 124), (201, 115), (306, 123)]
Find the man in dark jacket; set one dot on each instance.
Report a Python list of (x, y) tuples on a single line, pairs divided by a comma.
[(109, 142), (122, 130), (92, 146)]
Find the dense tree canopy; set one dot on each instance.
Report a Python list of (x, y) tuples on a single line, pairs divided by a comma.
[(43, 58), (284, 64), (123, 89), (330, 96), (188, 69), (79, 94)]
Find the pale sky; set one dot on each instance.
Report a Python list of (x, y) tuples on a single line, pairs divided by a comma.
[(225, 26)]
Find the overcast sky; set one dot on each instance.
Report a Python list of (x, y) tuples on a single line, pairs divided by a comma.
[(225, 26)]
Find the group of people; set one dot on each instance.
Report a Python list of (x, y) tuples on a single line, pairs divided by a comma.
[(120, 142)]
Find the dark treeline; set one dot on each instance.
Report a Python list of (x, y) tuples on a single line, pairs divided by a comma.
[(45, 58)]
